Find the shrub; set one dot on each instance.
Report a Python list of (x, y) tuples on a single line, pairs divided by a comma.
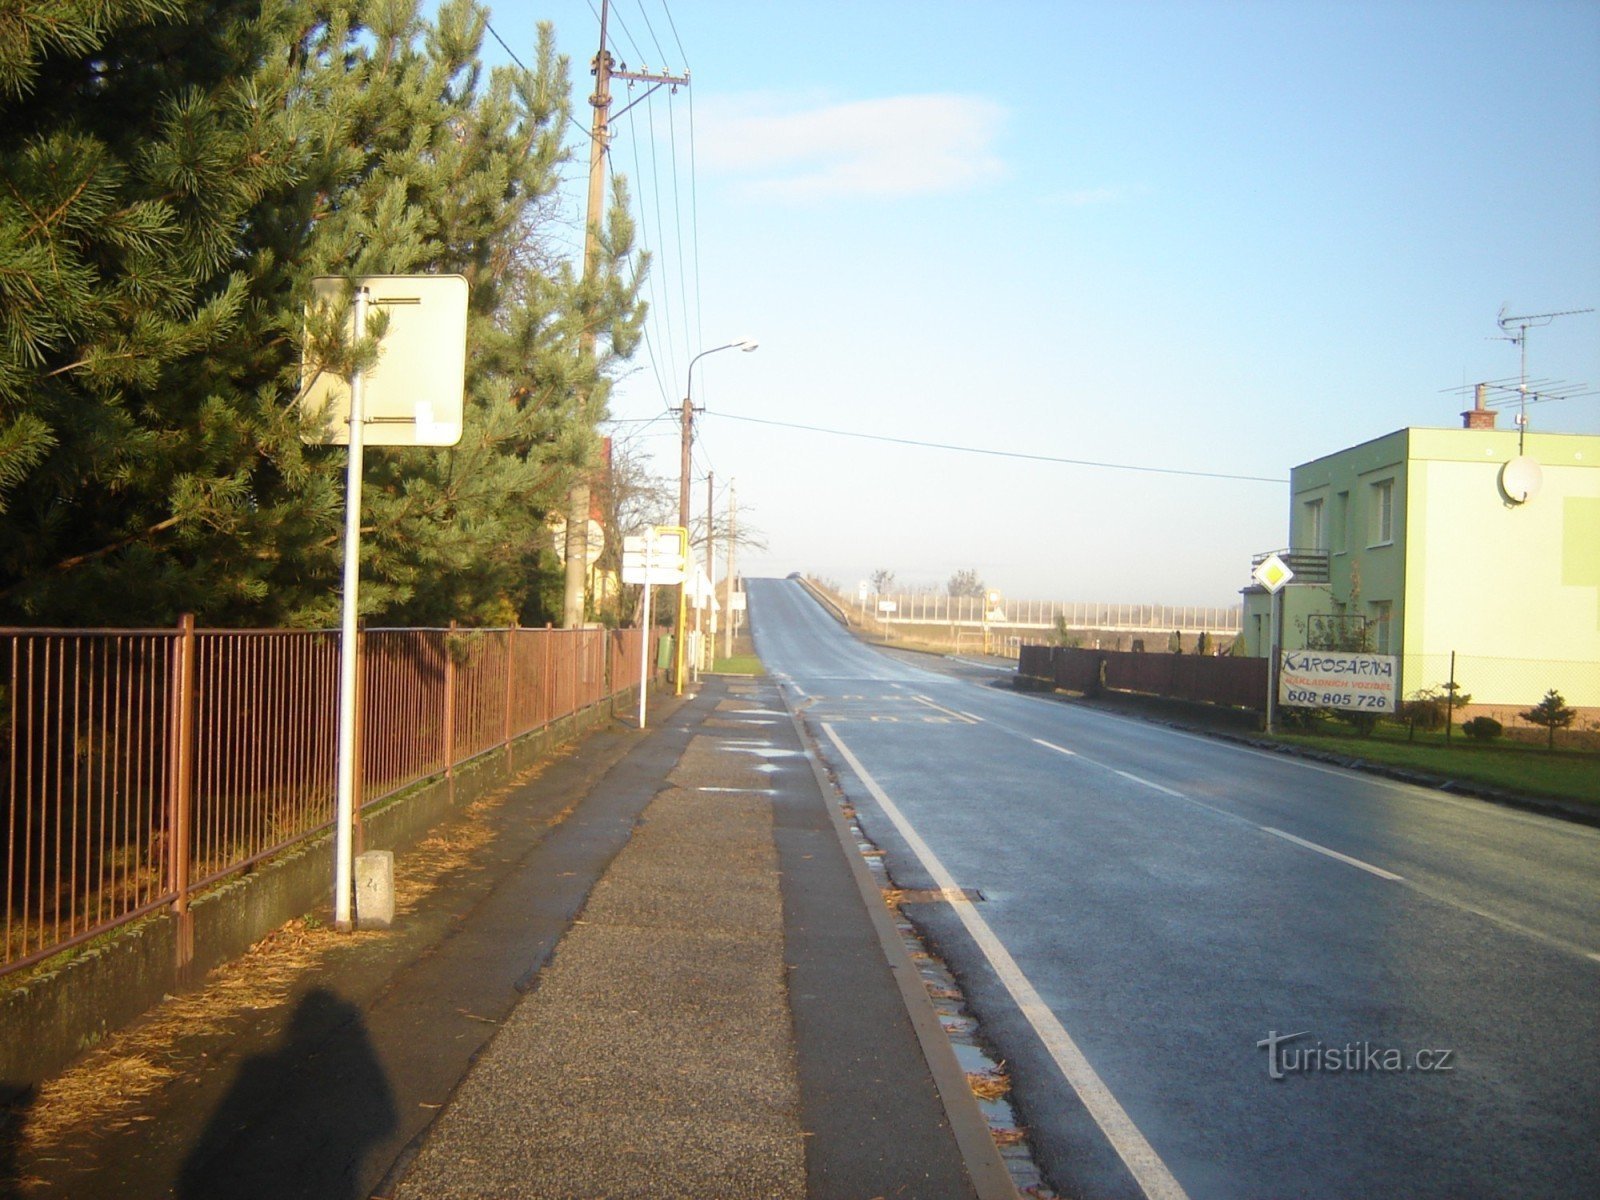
[(1482, 729), (1425, 711), (1362, 722)]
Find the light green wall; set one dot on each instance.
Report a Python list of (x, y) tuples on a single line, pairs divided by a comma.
[(1515, 588), (1299, 602), (1358, 569)]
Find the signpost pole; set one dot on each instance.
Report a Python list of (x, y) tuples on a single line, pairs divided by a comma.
[(345, 807), (644, 624), (1274, 618)]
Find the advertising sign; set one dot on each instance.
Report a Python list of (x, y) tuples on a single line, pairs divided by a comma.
[(1334, 679)]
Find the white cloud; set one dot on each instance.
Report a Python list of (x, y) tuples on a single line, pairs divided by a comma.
[(897, 146)]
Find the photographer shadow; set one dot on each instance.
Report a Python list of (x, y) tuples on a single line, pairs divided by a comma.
[(301, 1120), (16, 1102)]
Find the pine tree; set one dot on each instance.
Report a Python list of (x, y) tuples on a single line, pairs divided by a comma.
[(152, 456), (1553, 713), (130, 149)]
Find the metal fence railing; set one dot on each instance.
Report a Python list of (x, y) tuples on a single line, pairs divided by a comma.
[(938, 608), (139, 765)]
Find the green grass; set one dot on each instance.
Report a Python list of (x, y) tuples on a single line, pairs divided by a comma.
[(1515, 766), (739, 664)]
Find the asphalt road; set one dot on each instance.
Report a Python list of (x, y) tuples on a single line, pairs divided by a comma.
[(1168, 922)]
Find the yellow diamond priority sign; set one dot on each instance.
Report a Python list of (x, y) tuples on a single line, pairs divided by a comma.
[(1272, 573)]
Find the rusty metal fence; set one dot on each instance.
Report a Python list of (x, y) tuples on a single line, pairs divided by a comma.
[(137, 766)]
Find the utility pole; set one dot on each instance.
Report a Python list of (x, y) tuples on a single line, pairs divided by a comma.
[(604, 71), (708, 624), (685, 463), (733, 525)]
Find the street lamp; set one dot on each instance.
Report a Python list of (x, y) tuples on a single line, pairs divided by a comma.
[(687, 412), (684, 470)]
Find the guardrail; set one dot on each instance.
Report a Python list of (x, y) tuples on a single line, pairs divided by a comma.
[(138, 766)]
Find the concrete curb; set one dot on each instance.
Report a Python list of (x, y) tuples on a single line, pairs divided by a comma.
[(985, 1168)]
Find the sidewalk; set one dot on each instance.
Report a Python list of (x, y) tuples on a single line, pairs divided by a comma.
[(721, 1021), (663, 975)]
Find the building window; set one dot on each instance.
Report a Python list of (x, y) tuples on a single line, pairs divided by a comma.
[(1379, 613), (1313, 533), (1382, 512)]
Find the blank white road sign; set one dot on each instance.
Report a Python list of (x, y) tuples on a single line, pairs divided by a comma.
[(658, 559), (413, 396)]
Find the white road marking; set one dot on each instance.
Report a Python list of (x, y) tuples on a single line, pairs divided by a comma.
[(949, 712), (1130, 1144), (1344, 858), (1140, 780), (1176, 795), (1414, 790), (1165, 791), (1434, 894)]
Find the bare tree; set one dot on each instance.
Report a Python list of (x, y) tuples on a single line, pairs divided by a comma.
[(965, 583)]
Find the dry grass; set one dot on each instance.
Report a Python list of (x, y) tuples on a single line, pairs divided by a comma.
[(106, 1090)]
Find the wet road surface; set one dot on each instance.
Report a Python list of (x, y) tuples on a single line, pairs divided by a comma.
[(1218, 972)]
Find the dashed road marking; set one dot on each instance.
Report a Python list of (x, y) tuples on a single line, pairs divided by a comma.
[(1344, 858)]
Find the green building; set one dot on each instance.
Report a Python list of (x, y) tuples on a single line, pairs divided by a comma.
[(1478, 542)]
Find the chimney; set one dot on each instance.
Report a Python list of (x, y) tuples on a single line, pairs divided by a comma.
[(1478, 417)]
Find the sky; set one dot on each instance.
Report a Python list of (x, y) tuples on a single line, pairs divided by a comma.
[(1203, 239)]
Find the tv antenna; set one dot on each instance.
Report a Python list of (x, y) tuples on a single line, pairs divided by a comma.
[(1522, 324)]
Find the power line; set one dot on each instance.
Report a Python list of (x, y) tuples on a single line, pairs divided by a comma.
[(652, 29), (677, 213), (1049, 458), (495, 33), (694, 218), (674, 26)]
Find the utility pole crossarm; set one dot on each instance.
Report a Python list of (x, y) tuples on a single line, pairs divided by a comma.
[(648, 77)]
